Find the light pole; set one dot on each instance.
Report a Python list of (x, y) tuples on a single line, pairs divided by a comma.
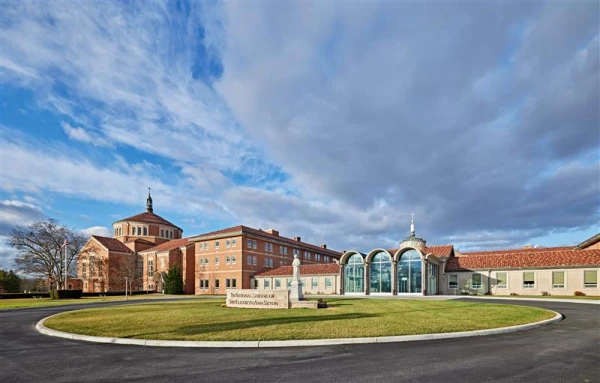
[(125, 288)]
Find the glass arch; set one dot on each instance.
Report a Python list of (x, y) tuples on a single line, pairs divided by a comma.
[(410, 272), (380, 273), (354, 275)]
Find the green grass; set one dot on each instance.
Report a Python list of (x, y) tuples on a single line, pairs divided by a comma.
[(6, 304), (208, 320), (594, 298)]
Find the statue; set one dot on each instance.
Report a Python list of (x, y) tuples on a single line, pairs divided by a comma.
[(296, 268)]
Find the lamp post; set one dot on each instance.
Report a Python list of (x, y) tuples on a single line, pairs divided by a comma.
[(125, 288)]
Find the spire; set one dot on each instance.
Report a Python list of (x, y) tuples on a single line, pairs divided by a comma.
[(412, 224), (149, 202)]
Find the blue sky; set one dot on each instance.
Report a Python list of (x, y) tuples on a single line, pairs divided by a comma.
[(333, 122)]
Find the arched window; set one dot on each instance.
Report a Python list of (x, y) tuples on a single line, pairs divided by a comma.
[(162, 233), (380, 273), (145, 231), (354, 275), (410, 272)]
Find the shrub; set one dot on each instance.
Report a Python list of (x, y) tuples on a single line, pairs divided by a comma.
[(545, 294), (321, 304), (513, 294), (68, 294), (579, 294)]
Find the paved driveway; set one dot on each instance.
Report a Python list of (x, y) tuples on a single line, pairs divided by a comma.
[(567, 351)]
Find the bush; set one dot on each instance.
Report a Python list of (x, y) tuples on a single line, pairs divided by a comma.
[(68, 294), (321, 304), (513, 294), (545, 294), (24, 295), (579, 294)]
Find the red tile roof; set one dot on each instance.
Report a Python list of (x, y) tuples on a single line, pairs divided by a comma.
[(112, 244), (317, 269), (248, 230), (148, 217), (440, 251), (168, 246), (518, 251), (525, 260)]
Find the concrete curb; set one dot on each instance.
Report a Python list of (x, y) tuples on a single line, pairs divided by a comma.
[(493, 298), (291, 343)]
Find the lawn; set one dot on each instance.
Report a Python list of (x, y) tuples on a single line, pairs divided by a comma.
[(209, 320), (6, 304)]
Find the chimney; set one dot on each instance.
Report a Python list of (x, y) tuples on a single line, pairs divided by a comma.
[(324, 246), (297, 239), (272, 231)]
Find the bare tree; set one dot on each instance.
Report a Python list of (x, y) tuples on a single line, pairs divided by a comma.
[(128, 267), (39, 251)]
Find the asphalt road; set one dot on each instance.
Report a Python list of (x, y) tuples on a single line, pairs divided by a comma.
[(567, 351)]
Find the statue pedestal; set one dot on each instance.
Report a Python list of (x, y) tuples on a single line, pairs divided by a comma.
[(296, 291)]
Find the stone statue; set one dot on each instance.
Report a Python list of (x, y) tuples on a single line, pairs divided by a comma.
[(296, 268)]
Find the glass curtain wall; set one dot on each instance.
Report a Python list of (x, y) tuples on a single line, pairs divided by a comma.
[(433, 278), (410, 270), (354, 275), (381, 273)]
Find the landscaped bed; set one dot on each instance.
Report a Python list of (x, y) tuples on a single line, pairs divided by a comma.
[(209, 320)]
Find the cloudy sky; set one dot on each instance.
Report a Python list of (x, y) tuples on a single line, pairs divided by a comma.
[(333, 122)]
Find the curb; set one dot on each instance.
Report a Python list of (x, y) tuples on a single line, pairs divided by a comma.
[(291, 343), (496, 298)]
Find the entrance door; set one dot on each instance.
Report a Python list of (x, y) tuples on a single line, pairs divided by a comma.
[(410, 271)]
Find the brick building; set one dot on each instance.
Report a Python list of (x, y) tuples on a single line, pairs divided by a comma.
[(231, 257)]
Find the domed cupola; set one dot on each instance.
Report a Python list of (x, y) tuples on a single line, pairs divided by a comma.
[(413, 240)]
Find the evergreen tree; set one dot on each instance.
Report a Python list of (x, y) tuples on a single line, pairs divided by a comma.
[(174, 281), (9, 281)]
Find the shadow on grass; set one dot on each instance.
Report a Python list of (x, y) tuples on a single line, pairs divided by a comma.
[(243, 325), (249, 324)]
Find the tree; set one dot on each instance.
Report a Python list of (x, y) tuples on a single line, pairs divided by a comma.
[(39, 251), (128, 267), (174, 280), (9, 282)]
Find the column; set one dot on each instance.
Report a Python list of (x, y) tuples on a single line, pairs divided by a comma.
[(367, 279), (394, 278), (342, 281), (424, 277)]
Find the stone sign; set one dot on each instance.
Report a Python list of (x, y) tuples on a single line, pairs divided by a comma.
[(258, 299)]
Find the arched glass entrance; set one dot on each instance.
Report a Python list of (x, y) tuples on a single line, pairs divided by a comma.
[(354, 275), (410, 272), (381, 273)]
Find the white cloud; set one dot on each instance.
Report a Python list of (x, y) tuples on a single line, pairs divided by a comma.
[(97, 230)]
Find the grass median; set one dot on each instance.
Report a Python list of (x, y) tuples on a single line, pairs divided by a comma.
[(208, 320)]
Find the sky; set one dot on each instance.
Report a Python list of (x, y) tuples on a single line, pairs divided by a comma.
[(330, 121)]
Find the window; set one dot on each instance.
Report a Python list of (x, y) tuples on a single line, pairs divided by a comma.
[(201, 284), (233, 283), (328, 283), (528, 280), (145, 231), (234, 242), (326, 259), (254, 260), (266, 262), (201, 261), (227, 244), (216, 283), (590, 278), (228, 260), (266, 246), (501, 280), (216, 244), (249, 243), (452, 281), (228, 283), (476, 281), (206, 286), (289, 282), (267, 284), (270, 262), (318, 257), (558, 279), (233, 259), (307, 255), (277, 283), (206, 261), (254, 244), (249, 260), (139, 231), (150, 267), (315, 283), (205, 245), (216, 261), (83, 270), (171, 234), (296, 252)]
